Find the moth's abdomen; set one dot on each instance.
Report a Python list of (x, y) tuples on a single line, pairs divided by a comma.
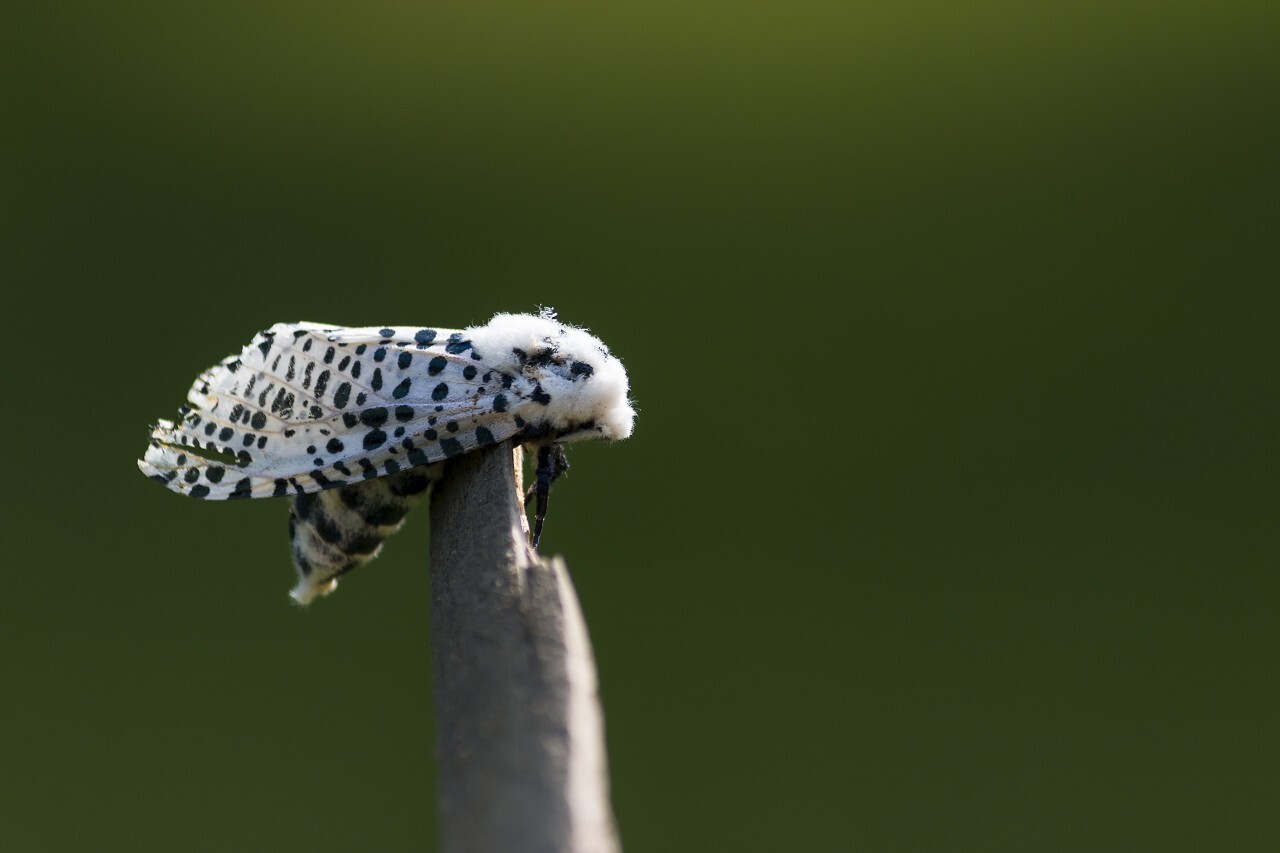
[(336, 530)]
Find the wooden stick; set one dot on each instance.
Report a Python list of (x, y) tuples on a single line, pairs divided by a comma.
[(520, 731)]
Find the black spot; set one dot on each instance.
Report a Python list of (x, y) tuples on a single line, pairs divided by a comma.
[(302, 564), (424, 336), (365, 543), (500, 403), (374, 438), (226, 434), (416, 457), (342, 365), (259, 420), (248, 441), (404, 360), (243, 489), (182, 457), (349, 419), (384, 515), (451, 447), (290, 373), (440, 392), (192, 475), (306, 374), (469, 372), (457, 347), (343, 394), (290, 433), (379, 354), (483, 436), (322, 382), (374, 417), (355, 370), (360, 398), (328, 355), (324, 526), (580, 368), (262, 441), (311, 448), (402, 390), (431, 435), (304, 503), (360, 349), (334, 446), (377, 379), (436, 365), (236, 412), (317, 413), (282, 489), (451, 426), (342, 468), (321, 480), (392, 466), (283, 403), (265, 346), (243, 458), (475, 355), (408, 442), (411, 483), (210, 428), (199, 491), (404, 414), (306, 346), (507, 379), (215, 474), (387, 333), (233, 366), (540, 396)]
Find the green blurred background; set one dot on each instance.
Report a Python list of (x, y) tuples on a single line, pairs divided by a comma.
[(949, 519)]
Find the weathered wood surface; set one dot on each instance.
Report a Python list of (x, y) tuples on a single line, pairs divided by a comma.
[(522, 764)]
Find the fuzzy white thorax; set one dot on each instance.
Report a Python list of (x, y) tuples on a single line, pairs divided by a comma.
[(554, 355)]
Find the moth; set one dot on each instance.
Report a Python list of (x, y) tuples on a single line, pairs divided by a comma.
[(356, 423)]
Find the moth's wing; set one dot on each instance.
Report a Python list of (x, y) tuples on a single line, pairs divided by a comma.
[(306, 407)]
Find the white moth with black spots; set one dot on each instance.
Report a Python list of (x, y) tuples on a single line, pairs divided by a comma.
[(356, 423)]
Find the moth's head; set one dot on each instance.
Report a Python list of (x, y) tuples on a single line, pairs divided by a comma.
[(586, 385)]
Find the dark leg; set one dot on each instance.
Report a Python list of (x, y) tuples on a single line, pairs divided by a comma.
[(551, 464)]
